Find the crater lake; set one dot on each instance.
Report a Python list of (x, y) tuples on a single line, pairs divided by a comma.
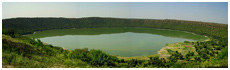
[(124, 42)]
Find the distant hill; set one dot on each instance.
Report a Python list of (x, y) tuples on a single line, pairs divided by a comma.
[(30, 25)]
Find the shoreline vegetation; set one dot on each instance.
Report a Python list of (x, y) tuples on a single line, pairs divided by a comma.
[(23, 52), (181, 47), (30, 25)]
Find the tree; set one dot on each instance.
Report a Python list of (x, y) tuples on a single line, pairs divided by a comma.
[(223, 53), (39, 43), (188, 55), (173, 59), (9, 32)]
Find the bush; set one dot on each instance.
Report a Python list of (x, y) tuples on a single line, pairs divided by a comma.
[(74, 63), (96, 58), (9, 32), (135, 63), (223, 53), (156, 62), (99, 58), (122, 61), (186, 42)]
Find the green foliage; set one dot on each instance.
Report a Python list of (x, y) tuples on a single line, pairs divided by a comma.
[(186, 42), (206, 49), (20, 51), (26, 55), (189, 55), (20, 54), (30, 25), (210, 63), (39, 43), (73, 63), (223, 53), (156, 62), (175, 55), (9, 32), (96, 58), (100, 58), (135, 63), (173, 59), (197, 58), (122, 61)]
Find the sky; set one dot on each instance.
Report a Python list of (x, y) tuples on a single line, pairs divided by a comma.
[(216, 12)]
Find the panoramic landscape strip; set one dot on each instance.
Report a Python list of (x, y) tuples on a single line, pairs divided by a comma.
[(114, 35), (22, 51)]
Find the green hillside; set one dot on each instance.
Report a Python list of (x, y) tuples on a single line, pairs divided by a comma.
[(30, 25), (19, 51)]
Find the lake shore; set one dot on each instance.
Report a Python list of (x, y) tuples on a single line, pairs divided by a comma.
[(162, 53), (181, 47)]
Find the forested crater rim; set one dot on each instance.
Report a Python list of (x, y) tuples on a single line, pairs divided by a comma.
[(109, 18)]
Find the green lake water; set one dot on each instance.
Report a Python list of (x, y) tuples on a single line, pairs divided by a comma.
[(125, 42)]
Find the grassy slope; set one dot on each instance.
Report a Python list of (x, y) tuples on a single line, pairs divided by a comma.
[(11, 58), (184, 48), (181, 47), (210, 63)]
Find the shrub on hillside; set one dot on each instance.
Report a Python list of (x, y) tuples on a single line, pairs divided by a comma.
[(223, 53)]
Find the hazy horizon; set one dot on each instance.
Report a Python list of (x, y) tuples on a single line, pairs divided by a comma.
[(214, 12)]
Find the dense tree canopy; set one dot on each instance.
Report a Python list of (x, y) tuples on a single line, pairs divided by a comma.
[(29, 25)]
